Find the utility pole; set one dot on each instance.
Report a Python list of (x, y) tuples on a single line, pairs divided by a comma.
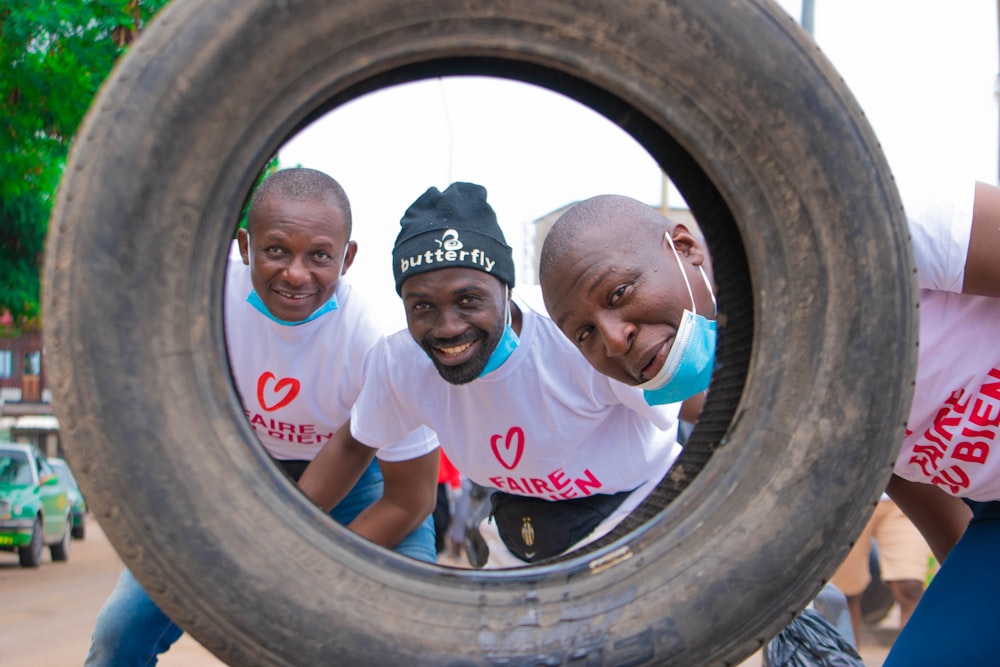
[(808, 15)]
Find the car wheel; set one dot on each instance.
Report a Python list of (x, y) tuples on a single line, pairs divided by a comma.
[(816, 355), (80, 530), (31, 555), (60, 550)]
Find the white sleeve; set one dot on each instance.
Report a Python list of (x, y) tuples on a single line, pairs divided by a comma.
[(939, 214), (416, 444), (379, 419)]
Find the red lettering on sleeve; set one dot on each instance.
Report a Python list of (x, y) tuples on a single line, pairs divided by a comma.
[(933, 455), (954, 478), (985, 414), (973, 452), (992, 389), (923, 462), (955, 401), (942, 422)]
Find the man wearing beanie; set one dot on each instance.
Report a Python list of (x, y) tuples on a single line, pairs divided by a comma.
[(568, 452)]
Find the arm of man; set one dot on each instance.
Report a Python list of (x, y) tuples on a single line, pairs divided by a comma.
[(408, 497), (982, 264), (336, 469), (940, 518)]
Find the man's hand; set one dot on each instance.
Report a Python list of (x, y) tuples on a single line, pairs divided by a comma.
[(336, 469), (409, 496)]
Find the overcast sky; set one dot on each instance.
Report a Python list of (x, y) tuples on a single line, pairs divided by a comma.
[(923, 71)]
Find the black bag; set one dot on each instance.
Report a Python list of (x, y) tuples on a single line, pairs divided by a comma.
[(810, 641), (535, 529)]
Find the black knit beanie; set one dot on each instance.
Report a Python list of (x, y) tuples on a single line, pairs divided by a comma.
[(451, 229)]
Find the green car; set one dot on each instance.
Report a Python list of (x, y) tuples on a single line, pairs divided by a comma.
[(34, 508), (77, 503)]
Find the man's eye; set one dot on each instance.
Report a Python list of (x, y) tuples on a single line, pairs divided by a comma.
[(323, 256), (583, 335), (617, 295)]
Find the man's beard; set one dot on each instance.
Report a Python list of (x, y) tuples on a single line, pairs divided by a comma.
[(469, 370)]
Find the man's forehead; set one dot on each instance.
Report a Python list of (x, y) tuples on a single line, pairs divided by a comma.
[(449, 281)]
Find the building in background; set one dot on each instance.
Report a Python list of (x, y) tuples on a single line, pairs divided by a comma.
[(25, 401)]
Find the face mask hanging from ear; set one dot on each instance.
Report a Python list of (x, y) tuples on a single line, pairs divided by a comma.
[(688, 367), (507, 344)]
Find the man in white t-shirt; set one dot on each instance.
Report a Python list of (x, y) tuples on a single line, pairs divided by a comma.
[(947, 463), (514, 405), (295, 332)]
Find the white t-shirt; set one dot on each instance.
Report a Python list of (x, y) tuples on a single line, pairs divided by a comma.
[(297, 383), (954, 421), (543, 424)]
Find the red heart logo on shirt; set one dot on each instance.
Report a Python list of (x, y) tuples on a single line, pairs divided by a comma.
[(289, 385), (513, 447)]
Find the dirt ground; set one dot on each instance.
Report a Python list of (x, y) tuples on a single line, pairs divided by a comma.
[(50, 611)]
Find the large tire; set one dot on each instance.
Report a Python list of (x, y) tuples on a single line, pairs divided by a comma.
[(811, 256)]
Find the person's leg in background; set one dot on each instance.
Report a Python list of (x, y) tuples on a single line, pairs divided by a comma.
[(442, 517), (903, 555), (854, 575)]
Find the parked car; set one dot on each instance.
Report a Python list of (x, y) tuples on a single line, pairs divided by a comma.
[(34, 508), (77, 503)]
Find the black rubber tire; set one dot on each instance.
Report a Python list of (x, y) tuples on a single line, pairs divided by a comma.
[(79, 532), (31, 555), (818, 349), (60, 550)]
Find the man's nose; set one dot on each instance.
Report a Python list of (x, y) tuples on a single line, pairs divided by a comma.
[(296, 271), (617, 336), (448, 324)]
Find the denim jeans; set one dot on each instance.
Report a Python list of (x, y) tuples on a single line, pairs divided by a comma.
[(131, 631)]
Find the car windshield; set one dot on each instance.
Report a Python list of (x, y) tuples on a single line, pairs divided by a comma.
[(14, 468)]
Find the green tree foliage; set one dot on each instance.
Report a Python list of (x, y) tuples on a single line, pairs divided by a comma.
[(54, 55)]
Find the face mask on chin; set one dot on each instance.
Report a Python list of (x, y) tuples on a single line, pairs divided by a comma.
[(688, 368), (506, 345)]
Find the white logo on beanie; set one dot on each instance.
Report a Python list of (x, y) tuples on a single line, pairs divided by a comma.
[(449, 240), (450, 249)]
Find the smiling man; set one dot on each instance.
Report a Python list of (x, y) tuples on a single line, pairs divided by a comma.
[(295, 332), (568, 452), (629, 289)]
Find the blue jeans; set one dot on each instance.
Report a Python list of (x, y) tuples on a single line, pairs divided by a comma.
[(131, 631), (956, 620)]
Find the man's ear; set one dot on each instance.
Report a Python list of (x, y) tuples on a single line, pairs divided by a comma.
[(349, 252), (243, 239), (688, 244)]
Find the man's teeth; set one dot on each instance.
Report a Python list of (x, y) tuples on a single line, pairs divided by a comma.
[(458, 349), (293, 296)]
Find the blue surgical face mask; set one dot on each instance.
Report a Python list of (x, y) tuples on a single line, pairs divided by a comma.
[(688, 367), (505, 347), (254, 300)]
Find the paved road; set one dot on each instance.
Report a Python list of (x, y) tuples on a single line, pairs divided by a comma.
[(49, 611)]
